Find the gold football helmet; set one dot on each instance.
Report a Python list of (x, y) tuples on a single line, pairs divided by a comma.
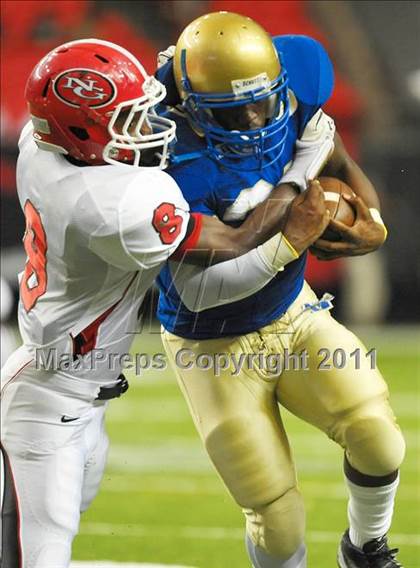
[(223, 60)]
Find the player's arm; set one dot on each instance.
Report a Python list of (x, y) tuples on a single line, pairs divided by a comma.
[(311, 76), (300, 223), (342, 166), (368, 232), (203, 288), (145, 228)]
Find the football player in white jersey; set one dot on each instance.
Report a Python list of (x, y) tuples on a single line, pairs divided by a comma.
[(98, 229)]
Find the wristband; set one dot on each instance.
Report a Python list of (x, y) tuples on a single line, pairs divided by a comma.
[(376, 216), (277, 252)]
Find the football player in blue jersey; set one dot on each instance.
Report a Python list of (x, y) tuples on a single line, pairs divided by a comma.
[(251, 115)]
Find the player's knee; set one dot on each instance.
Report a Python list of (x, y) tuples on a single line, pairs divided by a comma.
[(94, 473), (375, 445), (279, 527), (87, 498), (54, 553), (248, 455)]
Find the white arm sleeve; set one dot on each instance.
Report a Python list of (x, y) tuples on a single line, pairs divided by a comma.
[(201, 289), (312, 150)]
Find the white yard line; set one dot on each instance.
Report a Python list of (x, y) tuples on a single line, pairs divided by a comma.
[(216, 533), (178, 455), (200, 486), (186, 455)]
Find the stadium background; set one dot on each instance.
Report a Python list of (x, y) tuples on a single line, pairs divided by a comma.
[(160, 500)]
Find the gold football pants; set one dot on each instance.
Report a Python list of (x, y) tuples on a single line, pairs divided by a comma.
[(332, 384)]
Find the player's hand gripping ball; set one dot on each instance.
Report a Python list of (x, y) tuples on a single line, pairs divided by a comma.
[(340, 209), (353, 230)]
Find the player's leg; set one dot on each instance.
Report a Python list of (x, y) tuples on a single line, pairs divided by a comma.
[(351, 405), (262, 559), (44, 459), (96, 448), (238, 420)]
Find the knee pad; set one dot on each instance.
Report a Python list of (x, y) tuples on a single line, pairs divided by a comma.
[(254, 463), (94, 470), (374, 445), (54, 554), (279, 527)]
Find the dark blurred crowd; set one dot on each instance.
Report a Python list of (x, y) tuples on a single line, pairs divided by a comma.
[(31, 28)]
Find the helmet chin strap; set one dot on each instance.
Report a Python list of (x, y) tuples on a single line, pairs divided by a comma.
[(94, 115), (72, 149), (186, 85)]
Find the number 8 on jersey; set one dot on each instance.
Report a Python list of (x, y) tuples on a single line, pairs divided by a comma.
[(166, 223), (34, 279)]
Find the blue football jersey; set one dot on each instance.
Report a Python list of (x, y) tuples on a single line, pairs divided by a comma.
[(212, 189)]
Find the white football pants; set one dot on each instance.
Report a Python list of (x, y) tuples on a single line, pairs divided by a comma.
[(54, 449)]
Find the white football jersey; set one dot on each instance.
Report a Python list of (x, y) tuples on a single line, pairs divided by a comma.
[(96, 238)]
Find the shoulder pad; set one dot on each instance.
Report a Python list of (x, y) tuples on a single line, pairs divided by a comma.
[(165, 74), (197, 180), (27, 132), (188, 146), (309, 68)]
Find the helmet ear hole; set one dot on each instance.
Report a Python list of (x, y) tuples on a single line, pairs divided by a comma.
[(80, 133)]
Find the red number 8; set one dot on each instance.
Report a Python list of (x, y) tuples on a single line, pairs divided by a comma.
[(35, 243), (166, 223)]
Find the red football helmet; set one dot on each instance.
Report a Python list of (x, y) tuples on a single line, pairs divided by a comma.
[(93, 100)]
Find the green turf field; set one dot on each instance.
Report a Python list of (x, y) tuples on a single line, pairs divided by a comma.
[(161, 501)]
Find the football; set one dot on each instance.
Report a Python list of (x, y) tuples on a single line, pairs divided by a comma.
[(340, 209)]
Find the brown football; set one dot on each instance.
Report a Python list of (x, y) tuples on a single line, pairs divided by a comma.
[(340, 209)]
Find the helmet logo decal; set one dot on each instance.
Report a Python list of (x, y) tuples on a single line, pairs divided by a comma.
[(260, 81), (89, 86), (77, 87)]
